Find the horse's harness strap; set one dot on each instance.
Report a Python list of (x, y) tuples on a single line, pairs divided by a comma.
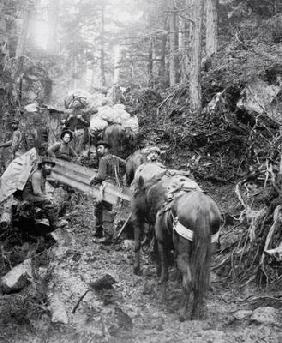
[(188, 234)]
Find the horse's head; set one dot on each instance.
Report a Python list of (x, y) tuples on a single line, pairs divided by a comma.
[(139, 186), (139, 194)]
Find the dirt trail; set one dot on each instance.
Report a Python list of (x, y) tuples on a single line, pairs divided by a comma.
[(132, 310)]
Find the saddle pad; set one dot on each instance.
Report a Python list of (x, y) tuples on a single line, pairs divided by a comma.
[(188, 234)]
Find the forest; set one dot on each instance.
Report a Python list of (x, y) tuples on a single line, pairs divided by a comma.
[(198, 82)]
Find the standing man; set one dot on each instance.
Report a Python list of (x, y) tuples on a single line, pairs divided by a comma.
[(17, 142), (111, 169), (63, 150)]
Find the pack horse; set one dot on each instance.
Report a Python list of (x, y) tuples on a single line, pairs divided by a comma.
[(185, 218)]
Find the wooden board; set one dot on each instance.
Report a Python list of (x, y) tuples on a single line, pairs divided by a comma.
[(78, 177)]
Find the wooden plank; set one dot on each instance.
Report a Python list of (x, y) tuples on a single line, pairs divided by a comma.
[(78, 177)]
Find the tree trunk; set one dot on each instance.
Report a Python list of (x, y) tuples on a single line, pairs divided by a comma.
[(182, 50), (117, 64), (24, 31), (53, 20), (74, 71), (162, 70), (211, 27), (172, 43), (132, 70), (150, 64), (103, 78), (21, 49), (196, 55)]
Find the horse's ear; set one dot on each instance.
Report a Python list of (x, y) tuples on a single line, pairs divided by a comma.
[(141, 182)]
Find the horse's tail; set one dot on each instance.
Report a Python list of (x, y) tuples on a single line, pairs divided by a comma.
[(201, 254)]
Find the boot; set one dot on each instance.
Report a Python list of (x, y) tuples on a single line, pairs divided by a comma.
[(99, 232)]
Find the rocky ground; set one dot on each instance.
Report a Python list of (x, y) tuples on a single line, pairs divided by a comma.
[(122, 307)]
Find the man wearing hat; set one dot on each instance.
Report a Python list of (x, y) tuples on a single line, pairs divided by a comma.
[(63, 149), (34, 192), (111, 169), (17, 142), (77, 124)]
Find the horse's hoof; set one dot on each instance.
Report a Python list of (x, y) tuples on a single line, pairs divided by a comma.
[(137, 271), (182, 318)]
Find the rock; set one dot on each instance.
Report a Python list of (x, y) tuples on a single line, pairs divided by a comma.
[(17, 278), (266, 316), (123, 319), (242, 314), (62, 236), (57, 309), (156, 323), (128, 245), (260, 97), (148, 287), (105, 282), (31, 107)]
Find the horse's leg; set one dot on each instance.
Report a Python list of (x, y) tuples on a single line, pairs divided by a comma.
[(164, 268), (184, 268), (200, 262), (198, 304), (138, 229), (157, 258), (162, 248)]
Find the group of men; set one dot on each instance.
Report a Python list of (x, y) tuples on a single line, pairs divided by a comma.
[(111, 168)]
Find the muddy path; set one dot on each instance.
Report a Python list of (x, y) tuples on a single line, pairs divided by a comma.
[(130, 311)]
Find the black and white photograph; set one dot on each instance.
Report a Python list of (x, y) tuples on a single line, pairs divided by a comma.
[(140, 171)]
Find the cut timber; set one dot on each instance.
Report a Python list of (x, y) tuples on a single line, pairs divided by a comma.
[(17, 173), (6, 216), (78, 177)]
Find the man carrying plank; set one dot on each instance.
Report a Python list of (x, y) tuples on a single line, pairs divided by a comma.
[(111, 169)]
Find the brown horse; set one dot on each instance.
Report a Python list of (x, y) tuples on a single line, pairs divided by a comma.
[(132, 163), (163, 203), (137, 159), (121, 139)]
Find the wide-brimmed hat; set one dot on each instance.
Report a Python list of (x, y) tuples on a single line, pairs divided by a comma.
[(104, 143), (66, 131), (46, 160)]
